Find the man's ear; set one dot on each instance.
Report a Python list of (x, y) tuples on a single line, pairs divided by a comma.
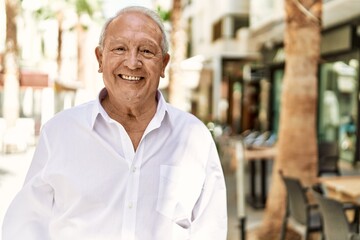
[(166, 60), (98, 53)]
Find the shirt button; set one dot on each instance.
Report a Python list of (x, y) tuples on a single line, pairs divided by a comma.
[(134, 169), (130, 205)]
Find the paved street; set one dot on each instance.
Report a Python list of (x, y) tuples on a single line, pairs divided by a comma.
[(13, 168), (253, 217)]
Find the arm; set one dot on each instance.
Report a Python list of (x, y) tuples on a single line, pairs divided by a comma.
[(210, 212), (28, 215)]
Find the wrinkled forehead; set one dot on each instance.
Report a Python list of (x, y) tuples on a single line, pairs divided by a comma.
[(137, 22)]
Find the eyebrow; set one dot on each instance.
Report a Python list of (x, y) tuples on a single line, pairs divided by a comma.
[(147, 42), (151, 43)]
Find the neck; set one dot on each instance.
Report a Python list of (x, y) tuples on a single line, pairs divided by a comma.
[(134, 119)]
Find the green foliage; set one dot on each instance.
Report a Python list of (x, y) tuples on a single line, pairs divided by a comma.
[(164, 14), (84, 6), (81, 7), (44, 14)]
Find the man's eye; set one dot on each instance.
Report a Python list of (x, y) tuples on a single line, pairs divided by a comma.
[(119, 49), (147, 52)]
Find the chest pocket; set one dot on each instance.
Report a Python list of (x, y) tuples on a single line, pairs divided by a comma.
[(179, 189)]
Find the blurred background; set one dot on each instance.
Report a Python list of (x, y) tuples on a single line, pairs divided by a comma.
[(227, 68), (227, 63)]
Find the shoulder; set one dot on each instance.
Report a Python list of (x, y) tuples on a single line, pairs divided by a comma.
[(187, 121), (80, 114), (177, 114)]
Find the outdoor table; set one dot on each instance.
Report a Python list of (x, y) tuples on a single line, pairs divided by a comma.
[(256, 156), (342, 188)]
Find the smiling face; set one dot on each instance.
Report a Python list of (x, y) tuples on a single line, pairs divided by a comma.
[(131, 59)]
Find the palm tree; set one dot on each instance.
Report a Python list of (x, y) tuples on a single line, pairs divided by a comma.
[(178, 43), (11, 65), (12, 9), (297, 142), (83, 8)]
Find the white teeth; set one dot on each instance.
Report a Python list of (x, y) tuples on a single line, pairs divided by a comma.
[(130, 78)]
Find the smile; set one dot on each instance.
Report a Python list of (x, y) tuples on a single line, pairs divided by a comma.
[(130, 78)]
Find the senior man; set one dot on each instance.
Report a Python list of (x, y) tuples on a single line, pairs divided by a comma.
[(127, 165)]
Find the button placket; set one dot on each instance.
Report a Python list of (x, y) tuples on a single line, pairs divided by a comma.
[(133, 181), (132, 191)]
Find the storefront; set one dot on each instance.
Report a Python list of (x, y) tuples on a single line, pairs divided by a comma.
[(238, 98), (338, 88), (338, 108)]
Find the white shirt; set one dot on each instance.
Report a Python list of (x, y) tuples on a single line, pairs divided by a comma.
[(86, 182)]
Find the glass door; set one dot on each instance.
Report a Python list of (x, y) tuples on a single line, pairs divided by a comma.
[(338, 105), (278, 75)]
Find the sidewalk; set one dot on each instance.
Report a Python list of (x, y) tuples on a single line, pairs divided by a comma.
[(253, 216), (13, 168)]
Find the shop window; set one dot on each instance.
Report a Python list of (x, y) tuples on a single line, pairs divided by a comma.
[(236, 23), (217, 30), (240, 22), (278, 76), (338, 105)]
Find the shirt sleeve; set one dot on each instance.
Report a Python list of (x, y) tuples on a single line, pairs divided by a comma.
[(210, 213), (28, 214)]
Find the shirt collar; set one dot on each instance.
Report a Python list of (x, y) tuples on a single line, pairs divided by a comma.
[(160, 111), (99, 110)]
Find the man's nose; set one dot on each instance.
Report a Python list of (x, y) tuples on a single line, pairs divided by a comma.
[(132, 60)]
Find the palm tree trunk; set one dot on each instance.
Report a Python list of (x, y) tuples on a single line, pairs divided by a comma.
[(11, 66), (297, 141), (59, 17), (81, 38), (178, 43), (11, 8)]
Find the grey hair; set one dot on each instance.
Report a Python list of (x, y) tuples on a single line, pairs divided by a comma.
[(146, 11)]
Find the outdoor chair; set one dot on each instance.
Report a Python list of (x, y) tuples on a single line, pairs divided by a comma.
[(299, 212), (354, 236), (335, 221), (328, 158)]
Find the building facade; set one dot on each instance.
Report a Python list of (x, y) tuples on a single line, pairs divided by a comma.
[(219, 47), (242, 53), (338, 71)]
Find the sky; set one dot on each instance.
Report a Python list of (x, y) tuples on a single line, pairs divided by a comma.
[(112, 6)]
